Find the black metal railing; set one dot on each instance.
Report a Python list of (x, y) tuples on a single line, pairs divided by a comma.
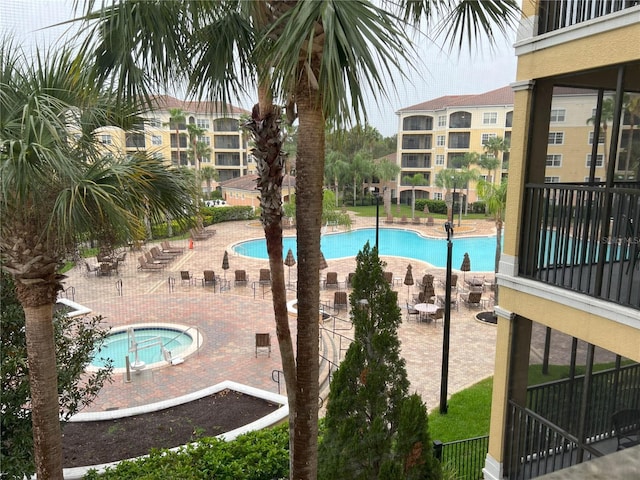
[(464, 457), (536, 447), (584, 237), (557, 14), (609, 391)]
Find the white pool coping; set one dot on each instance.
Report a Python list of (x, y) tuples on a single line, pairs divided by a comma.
[(77, 473)]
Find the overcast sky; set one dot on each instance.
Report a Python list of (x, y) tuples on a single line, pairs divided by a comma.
[(440, 73)]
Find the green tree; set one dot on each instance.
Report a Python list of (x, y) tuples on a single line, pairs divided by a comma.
[(208, 174), (386, 171), (76, 339), (606, 117), (368, 435), (495, 197), (301, 53), (330, 212), (451, 180), (414, 180), (360, 168), (494, 147), (56, 183), (336, 168), (177, 117)]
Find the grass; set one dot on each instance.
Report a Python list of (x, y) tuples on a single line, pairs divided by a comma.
[(405, 211)]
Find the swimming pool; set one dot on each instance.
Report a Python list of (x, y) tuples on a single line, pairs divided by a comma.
[(392, 242)]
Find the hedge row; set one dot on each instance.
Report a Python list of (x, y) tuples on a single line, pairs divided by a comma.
[(210, 215)]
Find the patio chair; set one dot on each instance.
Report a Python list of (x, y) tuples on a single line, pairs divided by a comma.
[(144, 265), (158, 255), (403, 220), (475, 284), (263, 340), (416, 221), (388, 276), (167, 247), (240, 277), (265, 276), (412, 312), (340, 301), (209, 279), (185, 276), (331, 280), (349, 282), (158, 261), (91, 269), (626, 424), (472, 299), (438, 315), (105, 270)]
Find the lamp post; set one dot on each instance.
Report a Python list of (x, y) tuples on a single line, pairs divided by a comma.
[(444, 379), (453, 200), (377, 197)]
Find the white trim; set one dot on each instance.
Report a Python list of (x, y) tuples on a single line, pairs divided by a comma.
[(522, 85), (612, 21), (492, 469)]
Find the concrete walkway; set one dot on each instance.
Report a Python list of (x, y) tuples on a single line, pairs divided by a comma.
[(228, 320)]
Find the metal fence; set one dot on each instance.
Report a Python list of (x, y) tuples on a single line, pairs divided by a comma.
[(464, 457)]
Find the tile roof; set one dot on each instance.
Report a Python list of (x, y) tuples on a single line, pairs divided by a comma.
[(500, 96), (165, 102)]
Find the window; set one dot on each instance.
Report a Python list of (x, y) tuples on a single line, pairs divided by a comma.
[(600, 137), (439, 160), (508, 121), (418, 122), (556, 138), (487, 136), (105, 139), (155, 123), (440, 141), (202, 123), (554, 160), (442, 120), (459, 140), (551, 179), (156, 140), (437, 196), (557, 115), (595, 179), (490, 118), (460, 120), (205, 140), (599, 160)]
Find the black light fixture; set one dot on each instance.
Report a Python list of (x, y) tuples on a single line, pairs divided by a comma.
[(444, 379)]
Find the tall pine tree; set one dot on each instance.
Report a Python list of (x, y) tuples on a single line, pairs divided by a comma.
[(373, 428)]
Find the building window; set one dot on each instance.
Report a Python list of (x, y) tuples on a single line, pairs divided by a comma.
[(442, 120), (556, 138), (437, 196), (508, 121), (595, 180), (156, 140), (600, 137), (205, 140), (460, 120), (418, 122), (557, 115), (155, 123), (599, 160), (490, 118), (486, 137), (202, 123), (554, 160), (440, 140), (105, 139), (439, 160), (459, 140), (205, 158), (551, 179)]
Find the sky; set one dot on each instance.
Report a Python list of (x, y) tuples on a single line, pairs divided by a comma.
[(439, 73)]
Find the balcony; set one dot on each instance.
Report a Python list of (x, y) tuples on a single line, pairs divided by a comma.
[(584, 238), (557, 14)]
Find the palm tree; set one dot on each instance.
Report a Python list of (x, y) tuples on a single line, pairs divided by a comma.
[(177, 117), (633, 107), (194, 132), (495, 197), (56, 184), (302, 53), (494, 146), (360, 168), (606, 116), (208, 174), (386, 171), (450, 179), (336, 167), (414, 181), (468, 159)]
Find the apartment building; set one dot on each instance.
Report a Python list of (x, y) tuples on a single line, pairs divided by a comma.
[(567, 379), (221, 145)]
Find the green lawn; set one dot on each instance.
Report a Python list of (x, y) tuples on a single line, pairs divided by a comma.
[(405, 211)]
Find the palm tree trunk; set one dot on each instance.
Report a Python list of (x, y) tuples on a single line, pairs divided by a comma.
[(309, 217), (43, 381), (498, 252)]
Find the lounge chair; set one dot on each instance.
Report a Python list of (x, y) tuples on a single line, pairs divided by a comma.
[(240, 277), (403, 220), (149, 258), (144, 265), (416, 221), (158, 255), (331, 280), (209, 279), (195, 235), (340, 301), (389, 219), (167, 247), (472, 299)]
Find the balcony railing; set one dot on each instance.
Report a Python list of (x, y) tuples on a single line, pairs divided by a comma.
[(584, 238), (557, 14)]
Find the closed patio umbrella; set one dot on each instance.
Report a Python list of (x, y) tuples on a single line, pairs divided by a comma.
[(289, 261), (225, 264), (466, 265), (323, 262), (408, 281)]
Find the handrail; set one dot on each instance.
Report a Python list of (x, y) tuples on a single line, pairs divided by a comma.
[(278, 374), (194, 327)]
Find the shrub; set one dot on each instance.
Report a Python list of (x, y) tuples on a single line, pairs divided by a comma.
[(435, 206)]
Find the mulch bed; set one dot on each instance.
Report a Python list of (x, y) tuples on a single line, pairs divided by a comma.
[(94, 443)]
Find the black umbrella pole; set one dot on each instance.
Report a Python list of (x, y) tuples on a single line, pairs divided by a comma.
[(447, 326)]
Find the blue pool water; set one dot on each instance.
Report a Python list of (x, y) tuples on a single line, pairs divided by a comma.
[(116, 346), (392, 242)]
